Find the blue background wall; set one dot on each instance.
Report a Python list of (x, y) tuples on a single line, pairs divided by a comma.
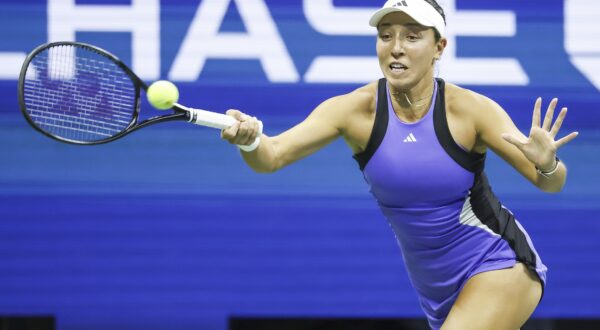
[(167, 228)]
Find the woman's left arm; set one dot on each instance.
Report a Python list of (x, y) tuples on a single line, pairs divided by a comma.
[(534, 156)]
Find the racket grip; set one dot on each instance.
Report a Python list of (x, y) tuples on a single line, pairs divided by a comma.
[(219, 121), (209, 118)]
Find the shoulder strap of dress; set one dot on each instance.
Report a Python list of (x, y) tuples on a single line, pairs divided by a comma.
[(379, 126), (470, 161)]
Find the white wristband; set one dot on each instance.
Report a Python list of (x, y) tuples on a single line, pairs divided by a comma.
[(251, 147)]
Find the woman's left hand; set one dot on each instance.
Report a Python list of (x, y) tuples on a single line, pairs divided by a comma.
[(540, 147)]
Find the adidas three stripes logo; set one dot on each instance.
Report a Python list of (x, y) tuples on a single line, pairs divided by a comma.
[(410, 138)]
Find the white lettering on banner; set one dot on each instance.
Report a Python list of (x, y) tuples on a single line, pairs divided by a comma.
[(141, 18), (324, 17), (327, 19), (582, 29), (262, 41), (343, 69), (10, 64), (480, 71)]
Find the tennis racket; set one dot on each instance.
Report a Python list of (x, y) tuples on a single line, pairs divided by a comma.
[(78, 93)]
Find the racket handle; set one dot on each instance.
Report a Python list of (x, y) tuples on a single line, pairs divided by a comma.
[(219, 121), (208, 118)]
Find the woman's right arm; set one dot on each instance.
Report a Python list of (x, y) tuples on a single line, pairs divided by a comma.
[(326, 123)]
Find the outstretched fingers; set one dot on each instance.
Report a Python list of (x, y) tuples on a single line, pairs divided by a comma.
[(549, 114), (535, 121), (561, 142), (558, 122), (556, 127)]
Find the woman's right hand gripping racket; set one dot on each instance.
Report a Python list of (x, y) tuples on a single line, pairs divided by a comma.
[(81, 94)]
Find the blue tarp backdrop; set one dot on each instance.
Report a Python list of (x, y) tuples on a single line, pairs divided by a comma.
[(168, 229)]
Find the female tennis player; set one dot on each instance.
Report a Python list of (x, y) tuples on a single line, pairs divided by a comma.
[(421, 144)]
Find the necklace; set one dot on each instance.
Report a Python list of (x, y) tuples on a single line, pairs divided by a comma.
[(415, 104)]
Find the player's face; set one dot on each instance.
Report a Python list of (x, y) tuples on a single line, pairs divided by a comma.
[(406, 50)]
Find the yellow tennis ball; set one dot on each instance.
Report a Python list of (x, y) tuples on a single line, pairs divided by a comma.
[(162, 94)]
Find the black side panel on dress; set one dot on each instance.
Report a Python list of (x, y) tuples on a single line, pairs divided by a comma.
[(379, 126), (490, 211), (471, 161)]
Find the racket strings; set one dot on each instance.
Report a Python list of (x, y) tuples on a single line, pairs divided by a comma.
[(78, 94)]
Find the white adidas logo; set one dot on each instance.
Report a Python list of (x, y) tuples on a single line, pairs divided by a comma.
[(410, 138)]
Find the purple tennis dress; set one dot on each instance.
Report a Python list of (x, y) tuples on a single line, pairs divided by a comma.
[(436, 197)]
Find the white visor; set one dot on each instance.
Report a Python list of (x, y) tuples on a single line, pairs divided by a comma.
[(419, 10)]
